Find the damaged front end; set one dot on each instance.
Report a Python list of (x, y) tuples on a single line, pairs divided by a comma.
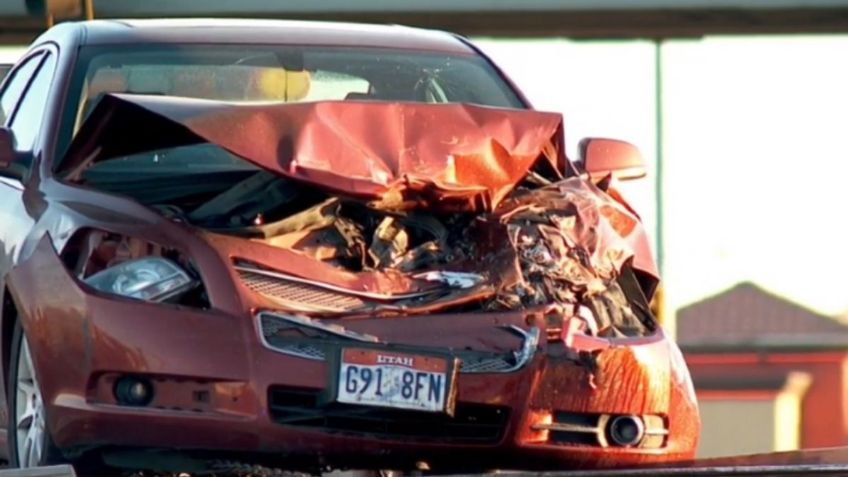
[(442, 208), (454, 233)]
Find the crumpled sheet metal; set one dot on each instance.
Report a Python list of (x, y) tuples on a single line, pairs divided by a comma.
[(562, 244), (448, 156), (571, 241), (438, 158)]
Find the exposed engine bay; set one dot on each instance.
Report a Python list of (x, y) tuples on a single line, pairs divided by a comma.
[(499, 227)]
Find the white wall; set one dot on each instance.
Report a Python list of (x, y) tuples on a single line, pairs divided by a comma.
[(755, 155), (602, 89)]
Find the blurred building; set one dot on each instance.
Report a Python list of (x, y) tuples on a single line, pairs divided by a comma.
[(770, 375)]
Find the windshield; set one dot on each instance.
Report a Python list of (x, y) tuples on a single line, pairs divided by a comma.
[(251, 74), (269, 73), (254, 73)]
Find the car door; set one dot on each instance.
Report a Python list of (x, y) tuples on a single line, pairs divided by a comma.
[(22, 102)]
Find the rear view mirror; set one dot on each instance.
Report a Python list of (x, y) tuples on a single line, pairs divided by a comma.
[(11, 161), (602, 157)]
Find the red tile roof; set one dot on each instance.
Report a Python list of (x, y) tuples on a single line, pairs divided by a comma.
[(747, 314)]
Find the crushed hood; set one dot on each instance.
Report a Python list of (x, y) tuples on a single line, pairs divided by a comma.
[(450, 156), (496, 225)]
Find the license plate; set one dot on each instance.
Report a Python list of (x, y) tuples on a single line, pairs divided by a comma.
[(397, 380)]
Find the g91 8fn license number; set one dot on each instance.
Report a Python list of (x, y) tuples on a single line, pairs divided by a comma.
[(403, 381)]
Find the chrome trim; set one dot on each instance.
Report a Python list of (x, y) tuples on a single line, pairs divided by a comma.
[(522, 357), (604, 430), (325, 286), (287, 352), (310, 323), (306, 351), (528, 346), (565, 427)]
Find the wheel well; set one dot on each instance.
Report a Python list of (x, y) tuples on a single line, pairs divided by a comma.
[(8, 317)]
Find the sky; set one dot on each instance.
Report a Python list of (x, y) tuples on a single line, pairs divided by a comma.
[(754, 152), (757, 161)]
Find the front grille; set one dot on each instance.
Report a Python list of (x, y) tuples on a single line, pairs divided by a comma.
[(470, 363), (302, 350), (303, 337), (472, 423), (489, 364), (593, 430), (578, 429), (301, 296), (313, 339)]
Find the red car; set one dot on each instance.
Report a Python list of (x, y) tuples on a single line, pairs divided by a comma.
[(316, 245)]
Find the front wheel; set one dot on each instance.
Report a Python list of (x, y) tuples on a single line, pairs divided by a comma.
[(29, 439)]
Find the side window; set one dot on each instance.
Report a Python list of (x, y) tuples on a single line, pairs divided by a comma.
[(26, 121), (16, 85), (4, 69)]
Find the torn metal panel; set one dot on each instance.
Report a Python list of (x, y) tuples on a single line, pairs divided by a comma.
[(449, 156), (449, 206), (571, 255)]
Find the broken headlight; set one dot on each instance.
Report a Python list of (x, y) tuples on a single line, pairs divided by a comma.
[(149, 278)]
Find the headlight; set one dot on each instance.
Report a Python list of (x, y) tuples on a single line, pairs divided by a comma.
[(149, 278)]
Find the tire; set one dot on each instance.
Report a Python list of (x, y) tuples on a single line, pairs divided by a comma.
[(27, 424)]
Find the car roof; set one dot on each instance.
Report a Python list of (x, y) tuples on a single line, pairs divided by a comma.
[(247, 31)]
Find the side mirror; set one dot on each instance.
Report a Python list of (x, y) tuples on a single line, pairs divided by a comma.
[(602, 157), (12, 162)]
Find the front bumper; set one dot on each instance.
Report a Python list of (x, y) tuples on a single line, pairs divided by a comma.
[(218, 387), (221, 387)]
